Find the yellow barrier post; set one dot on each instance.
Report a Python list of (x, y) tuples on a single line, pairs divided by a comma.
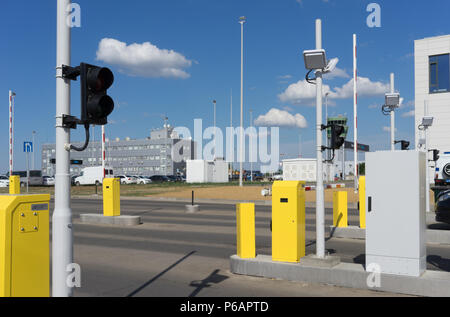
[(340, 209), (288, 221), (362, 202), (111, 197), (14, 185), (245, 220), (24, 246)]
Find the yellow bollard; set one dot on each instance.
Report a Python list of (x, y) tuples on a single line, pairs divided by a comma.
[(340, 209), (288, 221), (245, 220), (14, 185), (362, 202), (24, 246), (111, 197)]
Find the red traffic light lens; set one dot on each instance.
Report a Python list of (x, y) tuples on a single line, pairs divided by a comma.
[(99, 79)]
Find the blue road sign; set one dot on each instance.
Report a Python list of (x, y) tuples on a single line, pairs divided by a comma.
[(28, 147)]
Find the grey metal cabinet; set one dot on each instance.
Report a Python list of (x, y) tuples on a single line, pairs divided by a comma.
[(395, 212)]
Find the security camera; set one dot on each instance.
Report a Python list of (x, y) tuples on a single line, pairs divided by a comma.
[(331, 65)]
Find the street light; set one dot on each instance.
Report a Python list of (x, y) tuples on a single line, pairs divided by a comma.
[(315, 60), (242, 21), (427, 122)]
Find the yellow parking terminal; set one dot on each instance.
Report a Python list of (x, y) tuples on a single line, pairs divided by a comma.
[(14, 185), (111, 197), (288, 221), (24, 246)]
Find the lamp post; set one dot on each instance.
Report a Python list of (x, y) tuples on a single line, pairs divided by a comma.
[(315, 60), (251, 147), (242, 21), (215, 150)]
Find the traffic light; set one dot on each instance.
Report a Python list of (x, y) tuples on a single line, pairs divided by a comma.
[(96, 105), (405, 145), (336, 136), (436, 155)]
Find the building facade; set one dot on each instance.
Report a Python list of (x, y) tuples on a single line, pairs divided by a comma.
[(432, 89), (163, 153)]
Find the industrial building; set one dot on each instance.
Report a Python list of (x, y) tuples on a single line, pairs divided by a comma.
[(150, 156), (432, 88)]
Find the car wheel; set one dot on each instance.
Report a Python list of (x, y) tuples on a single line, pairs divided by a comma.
[(77, 183), (97, 183)]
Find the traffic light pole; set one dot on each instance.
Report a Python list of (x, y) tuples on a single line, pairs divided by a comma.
[(320, 208), (62, 247)]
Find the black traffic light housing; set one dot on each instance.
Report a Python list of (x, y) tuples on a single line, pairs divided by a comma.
[(96, 105), (435, 155), (337, 141), (405, 144)]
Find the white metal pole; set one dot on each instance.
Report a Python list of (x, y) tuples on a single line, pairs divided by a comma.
[(28, 168), (231, 134), (103, 151), (62, 245), (215, 150), (34, 150), (241, 136), (251, 147), (355, 112), (392, 115), (320, 209), (427, 167)]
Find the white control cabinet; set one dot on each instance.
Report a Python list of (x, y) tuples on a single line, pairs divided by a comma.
[(395, 212)]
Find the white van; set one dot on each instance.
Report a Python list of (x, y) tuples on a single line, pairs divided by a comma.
[(93, 175)]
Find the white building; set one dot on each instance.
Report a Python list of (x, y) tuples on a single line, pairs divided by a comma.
[(201, 171), (432, 86)]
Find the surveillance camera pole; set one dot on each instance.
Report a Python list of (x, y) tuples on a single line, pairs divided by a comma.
[(427, 167), (62, 247), (320, 209), (392, 115)]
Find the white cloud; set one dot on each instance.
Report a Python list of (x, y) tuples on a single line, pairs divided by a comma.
[(365, 87), (300, 92), (337, 73), (409, 114), (143, 60), (281, 118), (303, 92)]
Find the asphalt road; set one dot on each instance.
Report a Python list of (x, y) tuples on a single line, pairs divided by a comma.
[(179, 254)]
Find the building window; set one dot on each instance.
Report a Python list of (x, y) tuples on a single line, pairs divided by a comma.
[(439, 73)]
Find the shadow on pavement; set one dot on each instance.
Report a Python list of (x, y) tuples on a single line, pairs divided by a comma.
[(213, 278), (160, 274)]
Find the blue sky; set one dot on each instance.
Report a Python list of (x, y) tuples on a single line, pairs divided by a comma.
[(205, 38)]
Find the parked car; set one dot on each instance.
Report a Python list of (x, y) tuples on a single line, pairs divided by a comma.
[(174, 178), (48, 181), (4, 181), (159, 179), (127, 180), (443, 207), (143, 180)]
